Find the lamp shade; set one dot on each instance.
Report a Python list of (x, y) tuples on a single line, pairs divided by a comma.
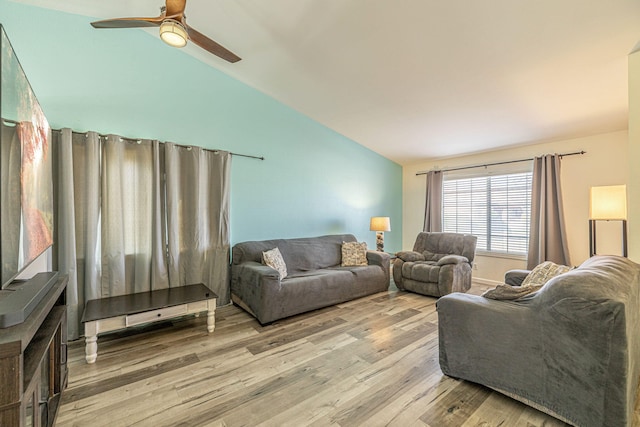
[(173, 33), (608, 202), (380, 223)]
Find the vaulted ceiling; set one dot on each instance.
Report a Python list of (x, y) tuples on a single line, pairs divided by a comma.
[(420, 79)]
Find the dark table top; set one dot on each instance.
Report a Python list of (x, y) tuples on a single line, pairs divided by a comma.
[(97, 309)]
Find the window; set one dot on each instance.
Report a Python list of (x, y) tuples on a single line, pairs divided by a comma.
[(496, 209)]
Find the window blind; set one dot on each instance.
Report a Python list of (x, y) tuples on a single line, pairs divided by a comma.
[(496, 209)]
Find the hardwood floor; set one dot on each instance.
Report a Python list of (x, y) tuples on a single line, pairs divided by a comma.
[(368, 362)]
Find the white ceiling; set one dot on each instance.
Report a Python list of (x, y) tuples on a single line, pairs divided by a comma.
[(419, 79)]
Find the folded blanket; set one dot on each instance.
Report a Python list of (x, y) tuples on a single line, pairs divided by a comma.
[(536, 279), (508, 292)]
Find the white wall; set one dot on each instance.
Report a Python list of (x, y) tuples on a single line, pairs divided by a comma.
[(605, 163), (633, 190)]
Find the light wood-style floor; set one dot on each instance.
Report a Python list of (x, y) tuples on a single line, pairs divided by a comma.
[(368, 362)]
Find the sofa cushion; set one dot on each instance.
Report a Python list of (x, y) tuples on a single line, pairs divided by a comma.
[(422, 271), (273, 259), (354, 254), (542, 273)]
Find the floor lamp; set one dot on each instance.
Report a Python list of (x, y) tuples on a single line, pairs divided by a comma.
[(380, 224), (607, 203)]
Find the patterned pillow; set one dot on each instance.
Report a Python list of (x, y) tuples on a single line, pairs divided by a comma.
[(544, 272), (354, 254), (273, 259)]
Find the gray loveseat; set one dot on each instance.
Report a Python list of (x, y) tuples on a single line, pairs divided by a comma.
[(572, 349), (315, 278)]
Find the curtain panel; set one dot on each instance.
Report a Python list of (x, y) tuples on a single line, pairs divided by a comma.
[(127, 208), (76, 249), (121, 227), (547, 240), (433, 206), (197, 191)]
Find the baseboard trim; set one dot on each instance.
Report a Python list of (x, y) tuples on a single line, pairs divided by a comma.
[(481, 281)]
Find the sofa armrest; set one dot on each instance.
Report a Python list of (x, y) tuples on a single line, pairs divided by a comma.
[(251, 284), (252, 271), (453, 259), (378, 258), (515, 277), (469, 347), (381, 259), (410, 256)]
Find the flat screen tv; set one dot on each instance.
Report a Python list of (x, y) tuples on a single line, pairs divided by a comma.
[(26, 191)]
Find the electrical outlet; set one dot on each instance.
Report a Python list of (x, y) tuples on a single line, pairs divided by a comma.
[(475, 266)]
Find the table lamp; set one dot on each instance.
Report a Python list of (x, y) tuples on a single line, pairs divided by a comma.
[(380, 224)]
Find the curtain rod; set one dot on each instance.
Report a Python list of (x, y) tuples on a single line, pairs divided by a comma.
[(499, 163), (139, 139)]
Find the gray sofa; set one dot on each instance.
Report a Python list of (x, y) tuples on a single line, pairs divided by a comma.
[(572, 349), (439, 264), (315, 278)]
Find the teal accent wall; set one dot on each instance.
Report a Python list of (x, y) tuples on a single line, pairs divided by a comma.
[(314, 181)]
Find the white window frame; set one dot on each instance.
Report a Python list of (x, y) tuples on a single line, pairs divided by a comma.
[(494, 207)]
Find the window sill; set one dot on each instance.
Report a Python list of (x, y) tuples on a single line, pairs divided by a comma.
[(520, 257)]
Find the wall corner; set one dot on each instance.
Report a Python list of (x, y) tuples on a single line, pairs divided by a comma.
[(634, 155)]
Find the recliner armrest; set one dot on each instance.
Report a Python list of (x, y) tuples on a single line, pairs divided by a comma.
[(515, 277), (453, 259), (410, 256)]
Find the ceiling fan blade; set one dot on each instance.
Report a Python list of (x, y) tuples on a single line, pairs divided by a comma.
[(175, 7), (209, 45), (128, 22)]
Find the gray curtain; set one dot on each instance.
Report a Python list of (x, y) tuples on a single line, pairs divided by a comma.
[(64, 251), (76, 160), (198, 217), (159, 270), (112, 225), (548, 240), (433, 206), (130, 223)]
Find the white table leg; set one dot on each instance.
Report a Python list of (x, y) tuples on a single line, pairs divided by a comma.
[(91, 340), (211, 315), (211, 320)]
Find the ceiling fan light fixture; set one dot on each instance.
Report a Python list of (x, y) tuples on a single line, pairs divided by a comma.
[(173, 33)]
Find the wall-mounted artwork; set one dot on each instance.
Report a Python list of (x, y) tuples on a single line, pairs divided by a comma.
[(26, 193)]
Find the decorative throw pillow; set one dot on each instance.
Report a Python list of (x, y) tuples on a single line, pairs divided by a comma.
[(354, 254), (273, 259), (544, 272)]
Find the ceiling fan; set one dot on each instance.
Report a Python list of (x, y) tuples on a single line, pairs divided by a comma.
[(173, 29)]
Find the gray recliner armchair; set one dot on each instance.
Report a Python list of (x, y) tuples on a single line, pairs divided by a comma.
[(439, 264)]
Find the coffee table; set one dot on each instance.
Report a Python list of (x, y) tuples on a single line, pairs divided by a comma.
[(120, 312)]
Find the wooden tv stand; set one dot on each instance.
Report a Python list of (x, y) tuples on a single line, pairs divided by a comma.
[(33, 362), (124, 311)]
